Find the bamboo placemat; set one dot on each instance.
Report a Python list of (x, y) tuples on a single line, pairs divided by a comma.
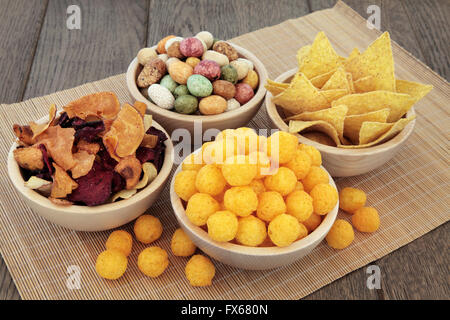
[(411, 191)]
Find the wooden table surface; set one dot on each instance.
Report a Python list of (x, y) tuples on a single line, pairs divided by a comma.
[(39, 55)]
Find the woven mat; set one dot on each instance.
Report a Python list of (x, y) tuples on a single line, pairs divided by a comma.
[(410, 192)]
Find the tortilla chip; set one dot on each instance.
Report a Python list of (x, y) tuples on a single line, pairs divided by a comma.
[(319, 137), (40, 128), (415, 89), (62, 183), (104, 105), (376, 61), (274, 90), (358, 103), (365, 84), (278, 84), (352, 124), (59, 142), (84, 163), (333, 94), (296, 126), (302, 53), (337, 81), (320, 59), (301, 96), (320, 80), (370, 131), (355, 53)]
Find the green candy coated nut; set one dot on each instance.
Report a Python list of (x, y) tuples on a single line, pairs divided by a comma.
[(181, 90), (199, 86), (169, 83), (186, 104), (229, 73)]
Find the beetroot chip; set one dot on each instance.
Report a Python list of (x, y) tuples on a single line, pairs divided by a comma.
[(89, 130), (106, 161), (156, 154), (118, 183)]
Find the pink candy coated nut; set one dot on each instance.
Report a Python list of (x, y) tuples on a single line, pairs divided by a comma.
[(243, 93), (191, 47), (209, 69)]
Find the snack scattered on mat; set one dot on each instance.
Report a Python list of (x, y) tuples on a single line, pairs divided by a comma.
[(356, 101), (92, 153), (197, 75)]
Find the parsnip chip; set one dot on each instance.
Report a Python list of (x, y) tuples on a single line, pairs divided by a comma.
[(147, 122), (337, 81), (24, 134), (141, 107), (415, 89), (62, 183), (301, 96), (104, 105), (84, 162), (352, 124), (364, 84), (36, 183), (124, 194), (333, 94), (149, 141), (149, 175), (29, 158), (358, 103), (59, 142), (320, 80), (296, 126), (130, 169), (60, 202), (319, 137), (40, 128)]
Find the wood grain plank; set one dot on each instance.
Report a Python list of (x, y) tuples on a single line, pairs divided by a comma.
[(20, 24)]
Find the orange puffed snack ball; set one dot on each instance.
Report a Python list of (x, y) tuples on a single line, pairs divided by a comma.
[(324, 198), (300, 164), (210, 180), (147, 228), (300, 205), (193, 161), (314, 154), (366, 219), (351, 199), (242, 201), (181, 244), (162, 43), (270, 205), (207, 152), (199, 207), (315, 176), (312, 222), (120, 240), (238, 170), (111, 264), (283, 230), (340, 235), (299, 186), (262, 162), (184, 184), (251, 231), (247, 139), (283, 181), (153, 261), (303, 231), (223, 149), (222, 226), (281, 146), (200, 271), (226, 134), (258, 186)]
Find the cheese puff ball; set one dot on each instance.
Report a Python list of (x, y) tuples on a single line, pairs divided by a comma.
[(312, 222), (238, 171), (300, 164), (281, 146), (300, 205), (303, 231), (242, 201), (147, 228), (208, 152), (251, 231), (283, 181), (299, 186), (210, 180), (351, 199), (247, 139), (184, 184), (111, 264), (225, 134), (200, 271), (199, 207), (153, 261), (193, 161), (120, 240), (257, 186), (340, 235), (181, 245), (270, 205), (262, 162), (222, 226), (315, 176), (262, 144), (324, 197), (366, 219), (316, 157), (225, 148), (283, 230)]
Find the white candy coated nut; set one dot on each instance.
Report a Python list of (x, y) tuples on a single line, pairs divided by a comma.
[(221, 59), (163, 56), (172, 40), (232, 104), (250, 64), (207, 38), (161, 96), (241, 68), (145, 55), (205, 47)]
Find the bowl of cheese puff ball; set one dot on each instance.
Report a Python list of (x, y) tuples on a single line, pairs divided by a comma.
[(254, 202)]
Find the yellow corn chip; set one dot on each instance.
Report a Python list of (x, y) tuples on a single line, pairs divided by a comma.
[(355, 52), (301, 54), (337, 81), (301, 96), (333, 94), (278, 84), (320, 59), (398, 103), (296, 126), (376, 61), (274, 90), (319, 137), (415, 89), (320, 80), (352, 124), (350, 82), (365, 84), (370, 131)]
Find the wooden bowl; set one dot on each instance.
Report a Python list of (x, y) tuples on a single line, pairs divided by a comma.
[(250, 258), (232, 119), (343, 162)]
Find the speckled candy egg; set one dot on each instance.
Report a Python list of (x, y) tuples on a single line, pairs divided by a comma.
[(221, 59), (209, 69), (192, 61), (169, 61), (248, 62), (191, 47), (212, 105), (243, 93), (180, 71), (174, 50), (207, 37), (232, 104), (151, 73), (241, 68), (181, 90), (186, 104), (251, 79), (226, 49), (145, 55), (229, 73), (161, 96), (168, 82), (199, 86), (224, 89)]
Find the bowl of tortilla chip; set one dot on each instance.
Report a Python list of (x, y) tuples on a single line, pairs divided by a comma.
[(357, 125)]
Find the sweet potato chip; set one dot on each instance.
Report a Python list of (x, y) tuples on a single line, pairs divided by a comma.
[(60, 202), (84, 162), (296, 126), (319, 137), (59, 142), (62, 183), (149, 141), (103, 105), (333, 94), (40, 128), (364, 84), (415, 89), (141, 107), (29, 158), (352, 124), (358, 103), (301, 96), (337, 81), (24, 134), (89, 147), (320, 80), (130, 169)]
